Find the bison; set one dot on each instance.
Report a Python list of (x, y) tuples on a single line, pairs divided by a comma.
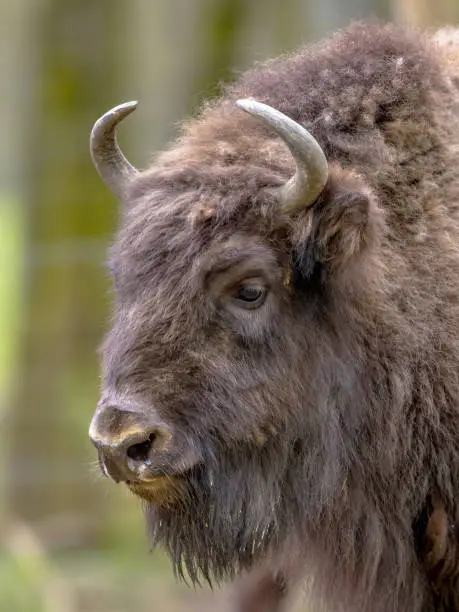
[(281, 378)]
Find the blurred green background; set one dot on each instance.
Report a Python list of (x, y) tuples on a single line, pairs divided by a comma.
[(69, 540)]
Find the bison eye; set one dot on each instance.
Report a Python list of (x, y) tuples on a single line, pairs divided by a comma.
[(250, 294)]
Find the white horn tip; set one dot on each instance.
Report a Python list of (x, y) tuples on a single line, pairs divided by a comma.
[(124, 109), (245, 103)]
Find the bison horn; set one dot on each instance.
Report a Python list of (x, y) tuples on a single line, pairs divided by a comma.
[(110, 163), (311, 164)]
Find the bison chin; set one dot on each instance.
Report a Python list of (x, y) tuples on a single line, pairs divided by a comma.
[(232, 512), (160, 491)]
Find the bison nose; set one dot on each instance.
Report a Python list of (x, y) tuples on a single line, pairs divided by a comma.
[(126, 441)]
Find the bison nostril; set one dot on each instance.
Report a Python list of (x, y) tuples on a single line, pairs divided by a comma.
[(140, 452)]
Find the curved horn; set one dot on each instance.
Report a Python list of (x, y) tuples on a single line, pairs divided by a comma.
[(311, 164), (110, 163)]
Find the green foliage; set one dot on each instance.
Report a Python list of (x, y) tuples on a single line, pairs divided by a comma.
[(11, 262)]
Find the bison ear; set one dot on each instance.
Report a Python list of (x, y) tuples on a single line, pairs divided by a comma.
[(344, 224)]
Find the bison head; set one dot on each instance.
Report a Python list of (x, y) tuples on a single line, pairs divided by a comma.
[(237, 373)]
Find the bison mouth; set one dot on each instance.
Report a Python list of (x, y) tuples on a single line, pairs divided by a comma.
[(157, 477), (161, 490), (166, 483)]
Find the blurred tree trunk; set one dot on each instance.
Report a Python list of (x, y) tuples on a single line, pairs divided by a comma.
[(423, 13), (69, 212), (330, 14)]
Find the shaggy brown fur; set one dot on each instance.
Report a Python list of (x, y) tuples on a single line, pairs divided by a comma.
[(327, 420)]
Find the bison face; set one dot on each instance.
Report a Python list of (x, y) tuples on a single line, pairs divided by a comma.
[(197, 359), (232, 352)]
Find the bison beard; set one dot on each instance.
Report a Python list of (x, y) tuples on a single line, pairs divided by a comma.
[(231, 514), (307, 414)]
